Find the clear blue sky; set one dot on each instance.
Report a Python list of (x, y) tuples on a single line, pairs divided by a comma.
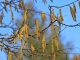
[(69, 34)]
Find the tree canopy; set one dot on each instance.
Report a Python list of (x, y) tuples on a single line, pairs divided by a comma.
[(31, 37)]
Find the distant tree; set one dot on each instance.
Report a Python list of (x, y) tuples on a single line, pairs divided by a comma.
[(31, 38)]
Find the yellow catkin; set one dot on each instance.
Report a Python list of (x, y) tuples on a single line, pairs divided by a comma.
[(53, 14), (10, 8), (54, 57), (52, 27), (56, 44), (26, 30), (60, 17), (21, 52), (37, 32), (23, 29), (52, 46), (24, 16), (78, 57), (12, 15), (74, 57), (22, 43), (20, 36), (37, 28), (37, 22), (17, 57), (16, 32), (57, 31), (43, 15), (10, 55), (67, 57), (32, 48), (15, 40), (5, 7), (22, 3), (43, 43), (71, 10), (73, 13), (74, 7), (52, 19)]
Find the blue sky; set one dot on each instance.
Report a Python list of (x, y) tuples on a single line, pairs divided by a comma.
[(69, 34)]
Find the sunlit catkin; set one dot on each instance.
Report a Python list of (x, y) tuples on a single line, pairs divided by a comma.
[(43, 43), (54, 57), (12, 16), (24, 16), (43, 15), (20, 36), (78, 57), (32, 48), (10, 8), (52, 46), (37, 22), (10, 55), (26, 31), (52, 19), (56, 44), (74, 7), (15, 40), (37, 32), (22, 3), (73, 13), (37, 28), (17, 57), (74, 57), (60, 17), (53, 14)]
